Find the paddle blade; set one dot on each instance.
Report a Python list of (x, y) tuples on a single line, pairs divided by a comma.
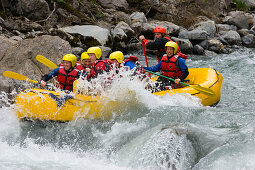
[(203, 90), (17, 76), (46, 62)]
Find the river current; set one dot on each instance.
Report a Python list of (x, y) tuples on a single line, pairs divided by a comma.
[(171, 132)]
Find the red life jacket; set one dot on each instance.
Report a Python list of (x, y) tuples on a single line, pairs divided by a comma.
[(79, 66), (170, 67), (66, 80), (94, 70), (178, 49)]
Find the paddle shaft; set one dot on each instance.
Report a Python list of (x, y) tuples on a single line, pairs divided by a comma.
[(166, 77), (145, 54)]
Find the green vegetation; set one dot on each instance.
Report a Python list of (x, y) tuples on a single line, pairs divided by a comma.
[(240, 5), (94, 2), (207, 2)]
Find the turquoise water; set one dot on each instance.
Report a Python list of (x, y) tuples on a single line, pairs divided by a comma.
[(173, 132)]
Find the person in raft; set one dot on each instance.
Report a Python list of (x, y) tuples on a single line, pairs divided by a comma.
[(84, 63), (66, 73), (117, 58), (98, 66), (161, 38), (172, 66)]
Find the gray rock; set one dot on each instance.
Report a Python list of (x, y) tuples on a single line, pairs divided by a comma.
[(232, 37), (170, 27), (243, 32), (16, 38), (215, 45), (249, 41), (193, 35), (210, 53), (105, 51), (32, 9), (225, 27), (20, 58), (240, 19), (91, 35), (78, 51), (22, 25), (197, 49), (6, 43), (250, 3), (119, 35), (119, 4), (126, 28), (207, 26), (185, 45), (138, 17)]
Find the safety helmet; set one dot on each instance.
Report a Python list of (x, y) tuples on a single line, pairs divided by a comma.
[(160, 30), (118, 55), (70, 57), (172, 44), (84, 56), (96, 50)]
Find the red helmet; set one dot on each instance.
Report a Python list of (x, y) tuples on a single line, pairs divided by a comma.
[(160, 30)]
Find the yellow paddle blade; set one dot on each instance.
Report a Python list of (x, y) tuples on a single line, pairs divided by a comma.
[(17, 76), (203, 90), (46, 61)]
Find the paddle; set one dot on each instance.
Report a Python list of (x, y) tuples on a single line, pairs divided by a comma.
[(201, 89), (18, 76), (145, 54), (46, 62)]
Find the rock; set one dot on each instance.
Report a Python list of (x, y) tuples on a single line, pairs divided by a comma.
[(90, 35), (240, 19), (170, 27), (78, 51), (207, 26), (105, 51), (134, 46), (138, 17), (210, 53), (197, 49), (232, 37), (215, 45), (243, 32), (22, 25), (185, 45), (119, 35), (126, 28), (32, 9), (249, 41), (20, 58), (196, 35), (6, 43), (225, 27), (16, 38), (119, 4), (250, 3)]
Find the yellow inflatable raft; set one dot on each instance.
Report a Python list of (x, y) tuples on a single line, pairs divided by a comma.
[(50, 105), (204, 77)]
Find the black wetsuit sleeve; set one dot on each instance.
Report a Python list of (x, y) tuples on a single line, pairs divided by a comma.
[(184, 75)]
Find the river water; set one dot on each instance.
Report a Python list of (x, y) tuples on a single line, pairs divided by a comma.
[(172, 132)]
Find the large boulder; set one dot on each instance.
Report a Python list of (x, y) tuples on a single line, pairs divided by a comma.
[(32, 9), (207, 26), (20, 58), (249, 41), (240, 19), (6, 43), (232, 37), (90, 35)]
